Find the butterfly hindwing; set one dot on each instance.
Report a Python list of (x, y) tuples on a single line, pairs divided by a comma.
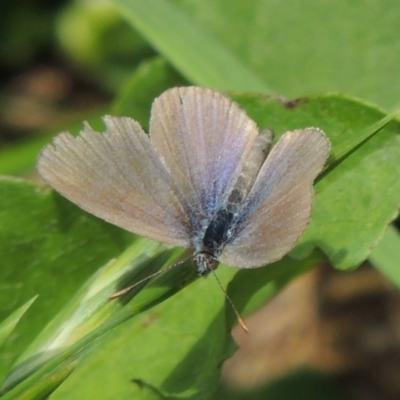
[(279, 204)]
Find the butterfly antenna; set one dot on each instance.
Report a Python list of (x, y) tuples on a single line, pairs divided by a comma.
[(238, 317), (129, 288)]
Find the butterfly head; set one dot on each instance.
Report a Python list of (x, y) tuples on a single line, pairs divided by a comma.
[(204, 262)]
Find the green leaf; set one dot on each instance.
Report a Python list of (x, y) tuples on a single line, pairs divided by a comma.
[(89, 308), (48, 247), (147, 82), (292, 50), (89, 316), (251, 289), (8, 325), (20, 158), (191, 49), (351, 142), (177, 347), (191, 316), (385, 256)]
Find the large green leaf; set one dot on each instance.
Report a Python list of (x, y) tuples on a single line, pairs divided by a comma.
[(47, 247), (89, 316), (195, 53), (307, 47), (175, 349)]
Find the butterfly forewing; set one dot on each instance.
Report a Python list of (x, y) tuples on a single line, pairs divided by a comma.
[(119, 177), (204, 139), (278, 207)]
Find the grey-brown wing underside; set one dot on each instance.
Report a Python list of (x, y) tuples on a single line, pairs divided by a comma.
[(117, 176), (204, 139), (279, 205)]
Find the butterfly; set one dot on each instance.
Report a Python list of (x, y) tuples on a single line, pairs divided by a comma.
[(203, 178)]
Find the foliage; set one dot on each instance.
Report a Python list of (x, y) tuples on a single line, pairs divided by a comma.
[(170, 336)]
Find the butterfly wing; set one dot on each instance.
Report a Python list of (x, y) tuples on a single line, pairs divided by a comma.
[(279, 204), (204, 139), (117, 176)]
